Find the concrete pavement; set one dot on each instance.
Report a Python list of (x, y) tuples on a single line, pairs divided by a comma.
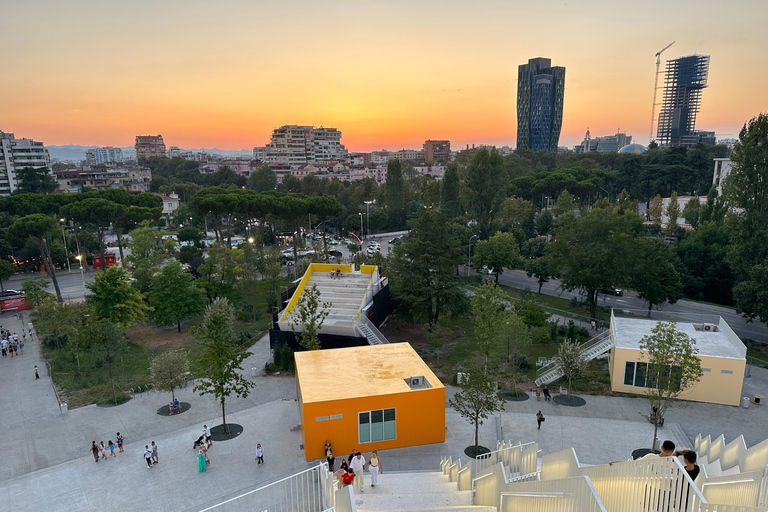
[(48, 467)]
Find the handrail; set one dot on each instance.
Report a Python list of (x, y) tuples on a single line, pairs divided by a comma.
[(373, 275), (595, 341), (366, 322)]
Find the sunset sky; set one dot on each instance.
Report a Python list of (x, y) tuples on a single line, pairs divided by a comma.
[(388, 74)]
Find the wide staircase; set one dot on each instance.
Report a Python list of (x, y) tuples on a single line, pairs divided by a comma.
[(345, 295), (505, 481), (592, 349)]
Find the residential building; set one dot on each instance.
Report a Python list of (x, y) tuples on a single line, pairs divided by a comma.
[(540, 93), (241, 167), (170, 203), (296, 145), (684, 80), (133, 179), (605, 144), (174, 151), (729, 143), (16, 154), (103, 155), (148, 146), (416, 155), (90, 156), (402, 405), (722, 169), (437, 151)]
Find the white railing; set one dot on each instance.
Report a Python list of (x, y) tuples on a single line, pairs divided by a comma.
[(370, 291), (311, 490), (364, 326), (734, 453), (518, 459), (743, 489), (589, 350), (562, 464)]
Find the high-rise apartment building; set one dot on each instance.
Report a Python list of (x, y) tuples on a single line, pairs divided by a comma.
[(684, 80), (16, 154), (148, 146), (540, 92), (437, 151), (103, 155), (296, 145)]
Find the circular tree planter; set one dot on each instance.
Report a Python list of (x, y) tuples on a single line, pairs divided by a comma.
[(166, 410), (233, 430), (507, 395), (469, 451), (569, 400)]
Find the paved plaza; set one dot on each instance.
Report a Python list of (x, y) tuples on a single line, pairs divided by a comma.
[(47, 465)]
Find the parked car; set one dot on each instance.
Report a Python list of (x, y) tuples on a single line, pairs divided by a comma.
[(395, 240), (10, 293)]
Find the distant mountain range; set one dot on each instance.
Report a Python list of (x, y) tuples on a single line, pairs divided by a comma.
[(76, 153)]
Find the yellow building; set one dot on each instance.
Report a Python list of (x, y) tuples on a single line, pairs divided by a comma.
[(369, 397), (722, 354)]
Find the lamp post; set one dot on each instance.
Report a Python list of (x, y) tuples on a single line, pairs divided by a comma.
[(368, 214), (469, 252), (361, 225), (82, 275), (66, 250)]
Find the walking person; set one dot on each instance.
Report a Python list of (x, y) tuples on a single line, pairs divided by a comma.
[(539, 419), (201, 466), (374, 466), (154, 453), (207, 433), (37, 375), (112, 448), (120, 440), (204, 447), (259, 453), (148, 455), (94, 451), (358, 465), (103, 450), (329, 456)]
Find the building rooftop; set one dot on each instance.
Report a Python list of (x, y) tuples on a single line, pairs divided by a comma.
[(357, 372), (718, 341)]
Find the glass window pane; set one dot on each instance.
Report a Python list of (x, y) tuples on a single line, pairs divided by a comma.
[(377, 425), (629, 373), (640, 374), (390, 430), (364, 427)]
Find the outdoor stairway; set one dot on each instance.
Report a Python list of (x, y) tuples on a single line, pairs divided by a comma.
[(345, 295), (370, 332), (415, 492), (592, 349)]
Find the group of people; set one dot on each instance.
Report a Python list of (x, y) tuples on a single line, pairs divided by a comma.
[(10, 344), (351, 470), (204, 443), (336, 274), (99, 451)]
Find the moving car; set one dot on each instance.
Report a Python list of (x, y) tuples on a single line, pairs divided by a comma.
[(618, 292)]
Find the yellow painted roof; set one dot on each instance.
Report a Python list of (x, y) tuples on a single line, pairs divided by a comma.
[(354, 372)]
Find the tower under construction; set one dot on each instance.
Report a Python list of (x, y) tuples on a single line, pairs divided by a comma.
[(683, 82)]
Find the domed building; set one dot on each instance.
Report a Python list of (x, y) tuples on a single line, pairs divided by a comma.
[(633, 148)]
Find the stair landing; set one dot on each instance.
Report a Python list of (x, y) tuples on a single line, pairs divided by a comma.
[(415, 492)]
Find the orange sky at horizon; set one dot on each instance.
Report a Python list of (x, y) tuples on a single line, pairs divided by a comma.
[(224, 74)]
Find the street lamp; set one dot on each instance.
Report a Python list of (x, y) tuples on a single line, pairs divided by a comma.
[(250, 240), (368, 214), (82, 275), (469, 252), (66, 251), (361, 225)]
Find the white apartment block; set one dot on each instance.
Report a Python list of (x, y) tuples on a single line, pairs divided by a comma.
[(174, 151), (16, 154), (722, 169), (384, 156), (296, 145)]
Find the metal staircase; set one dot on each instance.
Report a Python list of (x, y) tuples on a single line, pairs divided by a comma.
[(369, 331), (595, 347)]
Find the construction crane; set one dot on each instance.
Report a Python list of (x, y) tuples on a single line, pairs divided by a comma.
[(656, 88)]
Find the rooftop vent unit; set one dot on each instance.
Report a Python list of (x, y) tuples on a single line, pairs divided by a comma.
[(417, 381)]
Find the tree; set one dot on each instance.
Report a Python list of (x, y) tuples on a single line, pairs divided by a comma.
[(595, 252), (654, 276), (34, 291), (114, 298), (7, 270), (751, 294), (656, 210), (692, 212), (515, 332), (673, 366), (450, 199), (310, 313), (174, 297), (673, 213), (540, 269), (423, 268), (190, 234), (488, 305), (476, 400), (36, 180), (395, 194), (529, 312), (262, 179), (746, 193), (39, 227), (571, 361), (149, 248), (485, 185), (498, 252), (168, 371), (219, 361), (107, 340)]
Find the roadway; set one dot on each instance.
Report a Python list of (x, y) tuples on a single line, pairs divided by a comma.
[(756, 330)]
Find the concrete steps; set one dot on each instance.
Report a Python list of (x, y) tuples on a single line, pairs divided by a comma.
[(415, 492)]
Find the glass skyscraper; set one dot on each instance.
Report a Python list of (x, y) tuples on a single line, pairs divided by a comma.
[(683, 82), (540, 91)]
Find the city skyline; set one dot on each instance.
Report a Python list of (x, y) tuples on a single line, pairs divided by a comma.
[(225, 75)]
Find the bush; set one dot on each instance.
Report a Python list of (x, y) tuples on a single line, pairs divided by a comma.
[(521, 361), (55, 340), (282, 356), (245, 338), (544, 337)]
